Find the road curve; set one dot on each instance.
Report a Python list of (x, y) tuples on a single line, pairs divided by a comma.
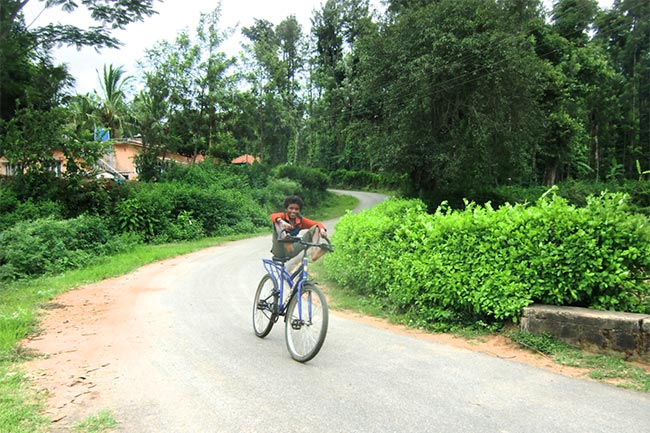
[(195, 366)]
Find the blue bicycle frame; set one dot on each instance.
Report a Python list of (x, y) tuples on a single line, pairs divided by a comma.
[(279, 274)]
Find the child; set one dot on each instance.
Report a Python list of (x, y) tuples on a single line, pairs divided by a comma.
[(290, 223)]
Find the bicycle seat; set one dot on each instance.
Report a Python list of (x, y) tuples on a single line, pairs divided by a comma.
[(280, 259)]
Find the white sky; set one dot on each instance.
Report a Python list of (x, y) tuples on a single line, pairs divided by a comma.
[(173, 16)]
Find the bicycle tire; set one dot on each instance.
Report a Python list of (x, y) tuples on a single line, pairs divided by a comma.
[(265, 306), (305, 338)]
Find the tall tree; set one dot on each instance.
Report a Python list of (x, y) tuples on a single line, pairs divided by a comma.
[(113, 110), (624, 31), (193, 77), (336, 29), (278, 57), (452, 89)]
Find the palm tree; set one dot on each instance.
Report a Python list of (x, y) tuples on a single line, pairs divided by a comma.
[(113, 107)]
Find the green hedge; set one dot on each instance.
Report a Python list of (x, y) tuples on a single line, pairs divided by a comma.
[(486, 264)]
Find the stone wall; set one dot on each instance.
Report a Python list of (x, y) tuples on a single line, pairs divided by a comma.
[(594, 330)]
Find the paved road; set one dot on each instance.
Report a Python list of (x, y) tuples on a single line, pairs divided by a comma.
[(199, 368)]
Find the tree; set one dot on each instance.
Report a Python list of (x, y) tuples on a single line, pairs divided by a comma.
[(26, 70), (113, 110), (449, 95), (336, 30), (194, 80), (624, 32), (277, 61), (30, 138)]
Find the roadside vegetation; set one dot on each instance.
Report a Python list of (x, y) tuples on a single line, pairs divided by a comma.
[(484, 265)]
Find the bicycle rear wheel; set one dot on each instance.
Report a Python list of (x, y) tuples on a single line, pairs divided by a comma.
[(265, 307), (306, 323)]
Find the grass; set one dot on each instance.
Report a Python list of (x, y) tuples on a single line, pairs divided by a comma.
[(21, 407), (605, 368), (102, 422), (334, 206)]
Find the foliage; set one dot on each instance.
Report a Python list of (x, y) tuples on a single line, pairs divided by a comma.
[(164, 211), (112, 110), (362, 179), (48, 246), (31, 138), (14, 210), (575, 192), (28, 76), (313, 182), (277, 59), (187, 97), (486, 264)]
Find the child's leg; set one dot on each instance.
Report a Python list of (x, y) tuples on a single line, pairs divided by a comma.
[(280, 249), (316, 253)]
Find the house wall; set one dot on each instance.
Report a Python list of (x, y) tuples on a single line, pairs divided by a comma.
[(121, 158)]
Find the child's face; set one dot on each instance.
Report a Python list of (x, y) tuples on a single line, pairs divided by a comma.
[(293, 210)]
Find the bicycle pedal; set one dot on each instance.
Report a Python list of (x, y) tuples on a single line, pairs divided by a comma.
[(296, 324)]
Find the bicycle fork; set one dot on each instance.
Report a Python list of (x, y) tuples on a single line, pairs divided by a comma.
[(300, 322)]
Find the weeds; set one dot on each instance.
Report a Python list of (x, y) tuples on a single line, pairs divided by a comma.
[(605, 368), (100, 423)]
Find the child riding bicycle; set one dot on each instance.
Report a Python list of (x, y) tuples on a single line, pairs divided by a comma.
[(289, 224)]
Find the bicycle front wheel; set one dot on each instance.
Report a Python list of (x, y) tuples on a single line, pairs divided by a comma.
[(265, 307), (306, 323)]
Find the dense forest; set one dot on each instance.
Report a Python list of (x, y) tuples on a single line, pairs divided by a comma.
[(452, 97)]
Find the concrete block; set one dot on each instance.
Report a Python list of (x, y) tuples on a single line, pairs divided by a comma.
[(590, 329)]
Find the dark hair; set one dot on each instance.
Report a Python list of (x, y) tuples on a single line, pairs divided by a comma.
[(293, 199)]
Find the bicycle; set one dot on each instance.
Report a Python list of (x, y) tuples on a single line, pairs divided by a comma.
[(301, 302)]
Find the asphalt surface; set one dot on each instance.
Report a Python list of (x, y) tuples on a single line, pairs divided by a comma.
[(200, 368)]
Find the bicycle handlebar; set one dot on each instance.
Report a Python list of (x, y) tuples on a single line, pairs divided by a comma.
[(296, 239)]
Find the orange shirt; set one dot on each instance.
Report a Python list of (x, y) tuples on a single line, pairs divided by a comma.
[(298, 224)]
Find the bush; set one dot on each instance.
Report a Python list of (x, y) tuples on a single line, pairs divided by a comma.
[(486, 264), (49, 246), (313, 182), (162, 212), (361, 179), (576, 192), (29, 211)]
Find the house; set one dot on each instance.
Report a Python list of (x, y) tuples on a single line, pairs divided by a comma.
[(118, 163), (245, 159), (59, 164)]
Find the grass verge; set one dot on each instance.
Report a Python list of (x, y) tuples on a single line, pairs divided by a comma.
[(606, 368)]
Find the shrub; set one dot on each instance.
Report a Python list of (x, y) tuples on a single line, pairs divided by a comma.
[(361, 179), (30, 210), (49, 246), (272, 195), (313, 182), (162, 211), (486, 264)]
